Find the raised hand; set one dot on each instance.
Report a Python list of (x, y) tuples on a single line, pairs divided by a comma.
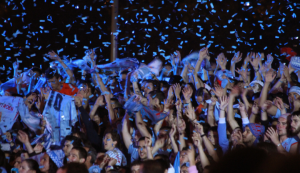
[(270, 76), (224, 102), (279, 103), (236, 58), (242, 72), (273, 135), (100, 101), (23, 137), (177, 89), (267, 105), (255, 61), (218, 91), (52, 55), (242, 107), (203, 53), (190, 113), (269, 60), (172, 131), (197, 139), (187, 93), (16, 65)]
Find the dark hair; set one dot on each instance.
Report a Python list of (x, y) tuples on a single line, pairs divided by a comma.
[(296, 113), (157, 166), (164, 84), (50, 73), (81, 152), (142, 138), (33, 165), (157, 94), (76, 141), (136, 162), (93, 153), (52, 166), (155, 83), (114, 135), (75, 167), (164, 158), (175, 79), (36, 69)]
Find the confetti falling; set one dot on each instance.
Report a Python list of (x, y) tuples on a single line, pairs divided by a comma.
[(145, 29)]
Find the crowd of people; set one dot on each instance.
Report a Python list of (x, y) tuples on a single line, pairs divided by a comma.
[(176, 116)]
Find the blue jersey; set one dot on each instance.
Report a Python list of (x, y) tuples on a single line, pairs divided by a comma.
[(288, 143)]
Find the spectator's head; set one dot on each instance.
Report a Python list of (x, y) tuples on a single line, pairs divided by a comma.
[(201, 95), (53, 79), (213, 136), (150, 86), (295, 123), (253, 133), (29, 165), (91, 155), (294, 96), (282, 125), (164, 87), (70, 142), (135, 166), (77, 154), (111, 140), (184, 169), (183, 155), (36, 72), (47, 164), (142, 148), (155, 99), (154, 166)]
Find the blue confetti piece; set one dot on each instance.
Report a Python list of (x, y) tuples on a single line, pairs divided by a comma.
[(178, 142), (185, 138), (108, 139), (130, 119), (72, 142), (41, 166)]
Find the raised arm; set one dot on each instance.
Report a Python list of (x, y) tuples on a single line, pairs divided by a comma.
[(208, 145), (141, 125), (125, 133), (236, 58), (172, 138), (54, 56), (256, 63), (270, 76), (198, 143), (230, 116), (111, 113)]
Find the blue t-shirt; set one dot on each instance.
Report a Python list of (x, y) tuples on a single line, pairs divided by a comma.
[(133, 152), (288, 143)]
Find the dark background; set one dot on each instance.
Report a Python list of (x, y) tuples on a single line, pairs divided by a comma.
[(152, 27)]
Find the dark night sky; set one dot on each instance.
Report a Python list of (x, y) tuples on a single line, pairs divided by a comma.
[(145, 28)]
